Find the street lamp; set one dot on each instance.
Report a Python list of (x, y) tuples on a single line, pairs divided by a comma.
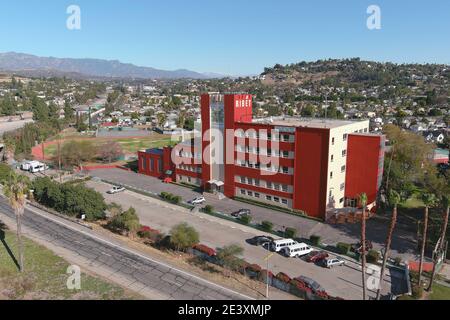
[(267, 270)]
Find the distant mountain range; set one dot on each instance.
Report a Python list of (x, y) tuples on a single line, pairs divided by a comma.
[(30, 65)]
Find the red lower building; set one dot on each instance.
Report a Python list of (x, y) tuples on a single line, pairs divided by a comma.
[(311, 165)]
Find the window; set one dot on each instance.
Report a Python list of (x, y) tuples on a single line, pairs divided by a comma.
[(285, 154), (152, 164), (365, 130), (250, 193), (344, 153), (276, 186), (285, 137), (284, 201), (269, 136), (269, 185), (257, 182), (276, 199), (341, 200), (285, 170), (342, 186), (330, 194), (242, 191), (332, 141), (331, 175), (189, 179), (243, 180), (143, 162), (343, 169), (284, 188), (344, 137), (249, 180), (256, 195), (332, 158), (269, 198), (269, 152)]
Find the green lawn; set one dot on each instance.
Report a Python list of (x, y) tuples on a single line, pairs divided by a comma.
[(440, 292), (45, 276), (129, 145)]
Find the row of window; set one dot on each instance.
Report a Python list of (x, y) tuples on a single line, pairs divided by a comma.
[(269, 136), (342, 171), (151, 164), (345, 135), (265, 152), (190, 168), (264, 184), (267, 197), (257, 165)]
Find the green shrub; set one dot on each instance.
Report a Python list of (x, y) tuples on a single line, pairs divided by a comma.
[(267, 226), (208, 208), (126, 221), (372, 256), (290, 233), (245, 219), (343, 248), (315, 240), (183, 236)]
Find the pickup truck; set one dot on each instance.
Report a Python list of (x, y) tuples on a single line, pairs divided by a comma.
[(115, 189)]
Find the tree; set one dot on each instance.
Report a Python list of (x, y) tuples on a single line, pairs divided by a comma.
[(228, 256), (428, 200), (111, 151), (183, 236), (126, 221), (76, 152), (441, 248), (15, 189), (394, 199), (363, 202), (68, 112), (161, 118)]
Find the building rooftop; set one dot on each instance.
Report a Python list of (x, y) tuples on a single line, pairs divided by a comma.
[(306, 122)]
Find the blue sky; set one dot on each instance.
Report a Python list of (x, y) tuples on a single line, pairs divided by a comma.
[(228, 36)]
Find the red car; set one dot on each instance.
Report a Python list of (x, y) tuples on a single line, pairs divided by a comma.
[(316, 256), (167, 180)]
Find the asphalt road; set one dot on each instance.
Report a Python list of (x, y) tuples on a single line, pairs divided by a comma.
[(403, 245), (13, 125), (159, 280)]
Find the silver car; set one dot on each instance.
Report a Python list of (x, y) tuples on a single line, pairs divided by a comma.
[(331, 262)]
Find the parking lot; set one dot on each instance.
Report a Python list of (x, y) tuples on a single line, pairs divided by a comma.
[(343, 281), (404, 244)]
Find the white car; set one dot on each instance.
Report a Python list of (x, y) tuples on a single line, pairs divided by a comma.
[(198, 200), (331, 262), (115, 189)]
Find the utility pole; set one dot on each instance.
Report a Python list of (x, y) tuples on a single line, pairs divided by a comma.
[(267, 270)]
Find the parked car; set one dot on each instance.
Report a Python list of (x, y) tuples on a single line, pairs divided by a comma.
[(260, 240), (167, 180), (297, 250), (198, 200), (332, 262), (278, 245), (241, 212), (313, 285), (115, 189), (316, 256), (357, 247)]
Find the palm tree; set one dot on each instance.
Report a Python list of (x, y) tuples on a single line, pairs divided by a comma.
[(15, 189), (363, 202), (394, 199), (445, 205), (428, 200)]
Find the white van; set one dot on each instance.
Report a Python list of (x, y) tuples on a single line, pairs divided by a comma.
[(27, 164), (279, 244), (37, 167), (297, 250)]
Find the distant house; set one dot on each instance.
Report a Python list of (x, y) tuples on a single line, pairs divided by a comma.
[(419, 127), (433, 136)]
